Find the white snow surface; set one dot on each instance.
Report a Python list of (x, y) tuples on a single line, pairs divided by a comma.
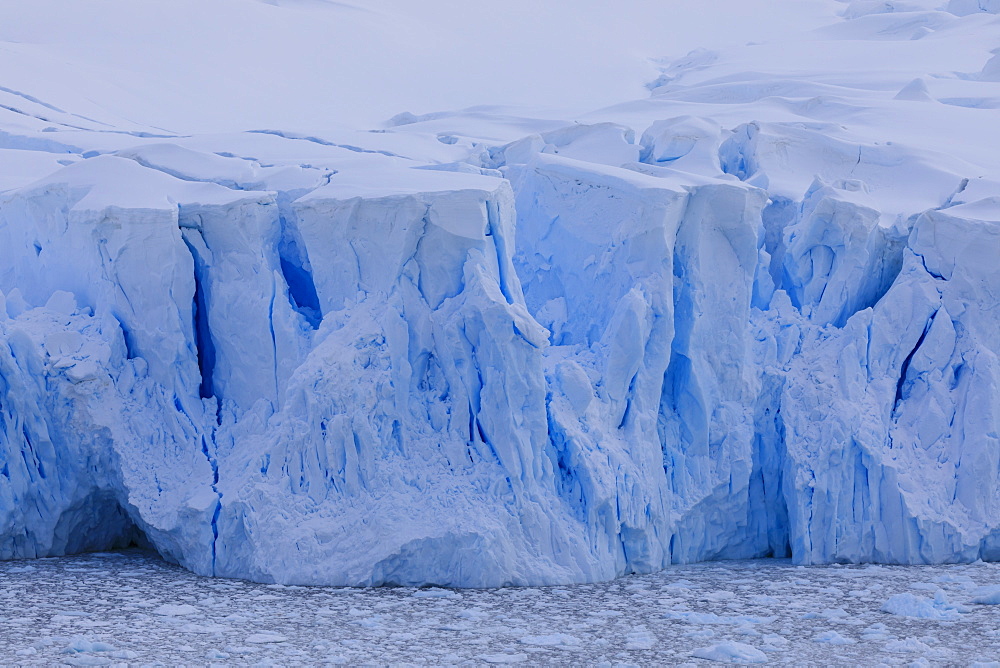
[(347, 293)]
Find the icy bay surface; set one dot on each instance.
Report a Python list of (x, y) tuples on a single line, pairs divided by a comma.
[(130, 607)]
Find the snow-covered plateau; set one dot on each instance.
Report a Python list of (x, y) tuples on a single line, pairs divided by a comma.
[(752, 309)]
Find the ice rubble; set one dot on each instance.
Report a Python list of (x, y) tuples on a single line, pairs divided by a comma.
[(421, 356)]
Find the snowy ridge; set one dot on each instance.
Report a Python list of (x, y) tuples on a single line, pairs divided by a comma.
[(751, 315)]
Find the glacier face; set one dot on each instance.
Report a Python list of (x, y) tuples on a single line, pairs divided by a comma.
[(696, 328)]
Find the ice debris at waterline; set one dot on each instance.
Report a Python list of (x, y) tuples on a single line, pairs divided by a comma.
[(129, 607), (699, 327)]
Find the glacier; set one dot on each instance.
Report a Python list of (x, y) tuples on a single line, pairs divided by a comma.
[(476, 349)]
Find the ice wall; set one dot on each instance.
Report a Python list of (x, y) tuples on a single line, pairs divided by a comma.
[(569, 357), (890, 421)]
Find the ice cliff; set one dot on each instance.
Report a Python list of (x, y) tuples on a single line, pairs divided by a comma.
[(512, 352)]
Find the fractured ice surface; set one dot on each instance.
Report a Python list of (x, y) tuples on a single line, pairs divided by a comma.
[(477, 350)]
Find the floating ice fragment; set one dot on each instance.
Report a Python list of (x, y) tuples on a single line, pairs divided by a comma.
[(175, 610), (692, 617), (833, 638), (435, 592), (730, 652), (908, 605), (700, 633), (503, 658), (906, 646), (640, 639), (719, 596), (202, 627), (551, 640), (607, 613), (87, 660), (81, 644), (21, 569), (262, 638), (988, 596), (830, 613)]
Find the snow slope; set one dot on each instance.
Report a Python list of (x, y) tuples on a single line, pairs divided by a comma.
[(576, 329)]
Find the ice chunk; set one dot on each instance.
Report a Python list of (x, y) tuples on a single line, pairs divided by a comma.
[(987, 596), (833, 638), (503, 658), (730, 652), (908, 605), (906, 646), (265, 638), (551, 640), (175, 610)]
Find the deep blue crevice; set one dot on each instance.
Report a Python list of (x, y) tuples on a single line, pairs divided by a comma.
[(206, 354), (481, 433), (396, 434), (568, 485), (213, 462), (500, 247), (736, 154), (28, 454), (204, 345), (472, 425), (203, 341), (901, 392), (302, 292), (768, 519), (933, 274), (126, 337), (779, 213), (295, 269), (680, 398), (628, 402), (957, 374), (215, 530)]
